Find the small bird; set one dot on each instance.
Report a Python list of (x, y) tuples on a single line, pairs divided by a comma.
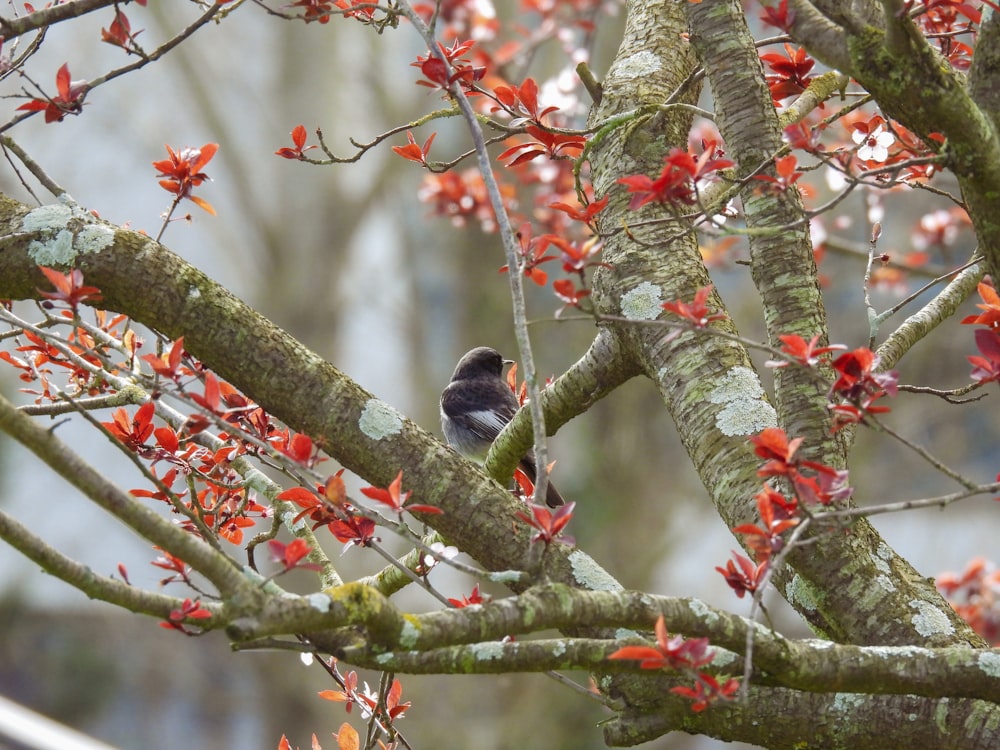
[(476, 405)]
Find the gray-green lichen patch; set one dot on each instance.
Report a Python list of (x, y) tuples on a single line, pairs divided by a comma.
[(882, 558), (408, 634), (847, 703), (989, 662), (639, 65), (94, 237), (486, 651), (885, 582), (320, 601), (929, 620), (642, 302), (897, 653), (64, 232), (745, 410), (505, 576), (379, 420), (47, 218), (703, 611), (722, 658), (590, 575), (800, 593), (288, 519)]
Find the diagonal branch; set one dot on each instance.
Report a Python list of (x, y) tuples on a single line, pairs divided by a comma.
[(81, 577), (214, 565)]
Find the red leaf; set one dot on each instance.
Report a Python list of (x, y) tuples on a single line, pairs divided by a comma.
[(299, 135), (166, 438), (412, 151), (347, 737), (991, 315), (183, 170), (67, 101), (697, 312), (69, 287), (547, 521), (986, 369)]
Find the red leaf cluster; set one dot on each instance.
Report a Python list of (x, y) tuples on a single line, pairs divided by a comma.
[(790, 72), (520, 392), (299, 136), (742, 575), (678, 180), (461, 196), (189, 610), (132, 432), (807, 354), (315, 10), (223, 504), (80, 356), (290, 556), (544, 143), (584, 214), (68, 100), (778, 16), (414, 152), (532, 254), (120, 34), (813, 483), (823, 485), (696, 312), (183, 172), (860, 384), (386, 710), (168, 364), (166, 561), (990, 315), (473, 598), (363, 10), (986, 368), (785, 169), (521, 102), (329, 507), (441, 75), (942, 21), (766, 539), (69, 288), (548, 522), (687, 655), (707, 691), (670, 652), (395, 498), (568, 292), (975, 595)]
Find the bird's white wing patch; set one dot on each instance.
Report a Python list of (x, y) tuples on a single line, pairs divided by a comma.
[(487, 423)]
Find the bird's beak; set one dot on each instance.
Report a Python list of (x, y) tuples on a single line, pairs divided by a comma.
[(508, 362)]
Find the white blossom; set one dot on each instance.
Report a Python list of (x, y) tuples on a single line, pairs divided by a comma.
[(874, 146)]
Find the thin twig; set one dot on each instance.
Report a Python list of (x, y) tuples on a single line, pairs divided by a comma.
[(32, 166), (511, 252)]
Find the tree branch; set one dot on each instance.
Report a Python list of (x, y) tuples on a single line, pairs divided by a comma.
[(84, 579), (216, 567), (11, 28)]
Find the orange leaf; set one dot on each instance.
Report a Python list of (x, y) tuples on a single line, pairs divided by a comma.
[(347, 737), (202, 203)]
